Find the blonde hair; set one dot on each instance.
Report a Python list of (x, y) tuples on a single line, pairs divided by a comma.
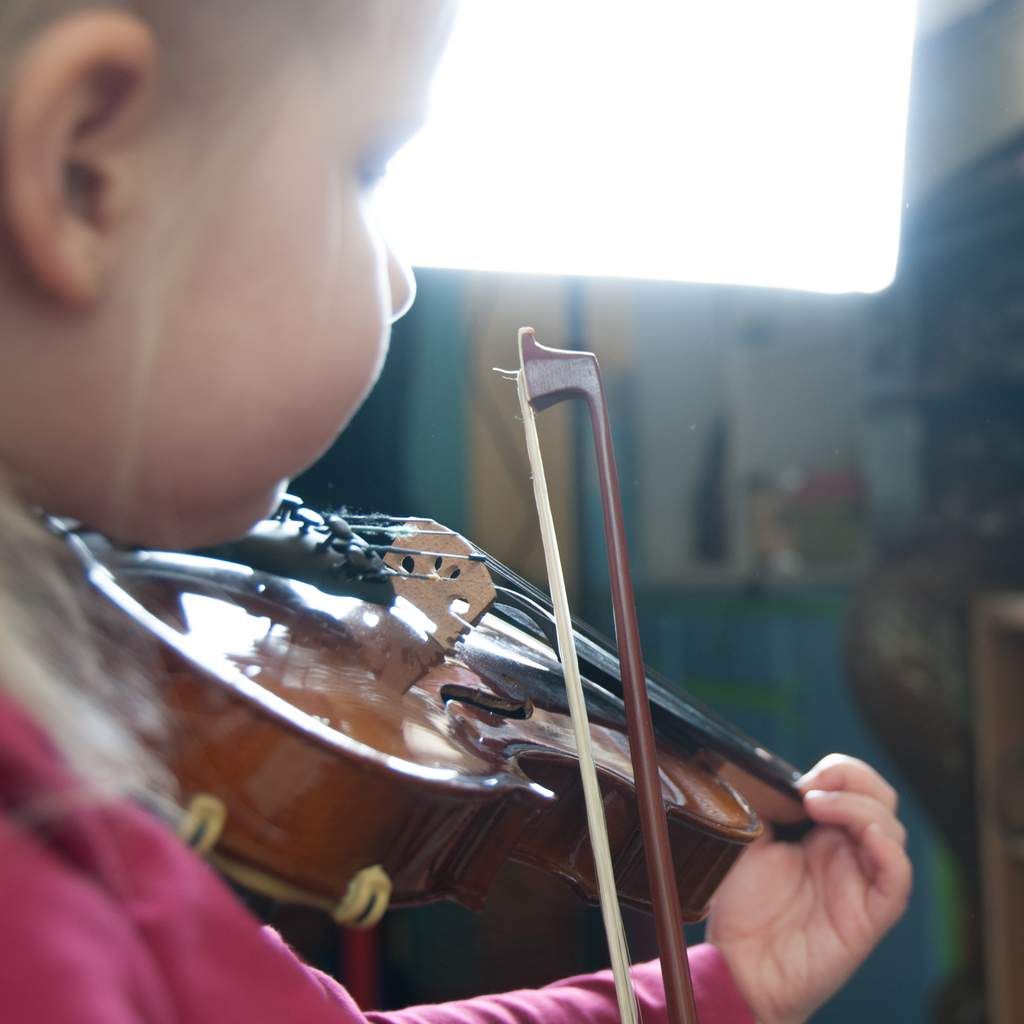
[(92, 699)]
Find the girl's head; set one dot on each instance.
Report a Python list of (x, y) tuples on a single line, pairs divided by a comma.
[(193, 298)]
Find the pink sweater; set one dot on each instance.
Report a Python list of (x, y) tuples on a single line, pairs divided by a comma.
[(105, 918)]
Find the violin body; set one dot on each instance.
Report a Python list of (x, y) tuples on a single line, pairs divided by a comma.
[(393, 722)]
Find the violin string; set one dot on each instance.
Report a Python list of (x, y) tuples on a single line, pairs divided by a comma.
[(495, 565), (465, 623), (378, 519), (542, 598), (388, 548), (386, 571), (433, 577), (687, 718), (617, 946), (701, 720), (392, 530)]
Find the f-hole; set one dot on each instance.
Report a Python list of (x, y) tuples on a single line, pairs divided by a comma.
[(492, 702)]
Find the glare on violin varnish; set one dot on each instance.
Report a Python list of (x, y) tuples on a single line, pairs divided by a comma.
[(305, 692)]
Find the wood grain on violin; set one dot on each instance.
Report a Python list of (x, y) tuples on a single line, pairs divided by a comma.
[(345, 735)]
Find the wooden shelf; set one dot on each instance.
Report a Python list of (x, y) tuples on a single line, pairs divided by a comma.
[(999, 738)]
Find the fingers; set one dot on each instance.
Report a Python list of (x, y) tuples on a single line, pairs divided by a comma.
[(863, 807), (891, 876), (854, 812), (840, 772)]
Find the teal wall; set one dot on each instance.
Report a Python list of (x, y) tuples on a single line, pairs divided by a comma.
[(772, 662)]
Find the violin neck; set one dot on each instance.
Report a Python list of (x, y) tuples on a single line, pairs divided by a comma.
[(678, 715)]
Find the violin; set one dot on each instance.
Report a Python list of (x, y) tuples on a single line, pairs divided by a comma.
[(369, 711)]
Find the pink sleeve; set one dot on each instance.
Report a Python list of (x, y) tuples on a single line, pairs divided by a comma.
[(587, 997), (66, 955)]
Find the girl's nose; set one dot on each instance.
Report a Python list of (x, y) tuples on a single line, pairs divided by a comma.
[(403, 286)]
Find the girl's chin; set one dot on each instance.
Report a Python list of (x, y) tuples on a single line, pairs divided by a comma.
[(196, 527), (233, 522)]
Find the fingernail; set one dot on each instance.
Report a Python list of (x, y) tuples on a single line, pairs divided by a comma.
[(815, 794)]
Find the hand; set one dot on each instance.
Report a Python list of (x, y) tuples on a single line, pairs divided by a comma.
[(794, 921)]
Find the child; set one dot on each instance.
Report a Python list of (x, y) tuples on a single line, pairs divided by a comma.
[(194, 302)]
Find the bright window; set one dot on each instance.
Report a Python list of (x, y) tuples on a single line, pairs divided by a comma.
[(732, 141)]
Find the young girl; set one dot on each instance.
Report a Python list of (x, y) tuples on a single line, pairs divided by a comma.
[(194, 302)]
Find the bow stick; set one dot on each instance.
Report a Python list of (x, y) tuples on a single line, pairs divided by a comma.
[(548, 376)]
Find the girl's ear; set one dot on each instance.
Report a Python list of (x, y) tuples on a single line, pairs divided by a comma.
[(77, 99)]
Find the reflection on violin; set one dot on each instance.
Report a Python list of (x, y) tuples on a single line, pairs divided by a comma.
[(325, 671)]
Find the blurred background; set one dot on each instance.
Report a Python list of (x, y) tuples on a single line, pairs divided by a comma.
[(825, 501)]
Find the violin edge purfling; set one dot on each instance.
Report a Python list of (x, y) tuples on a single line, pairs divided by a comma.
[(224, 730)]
